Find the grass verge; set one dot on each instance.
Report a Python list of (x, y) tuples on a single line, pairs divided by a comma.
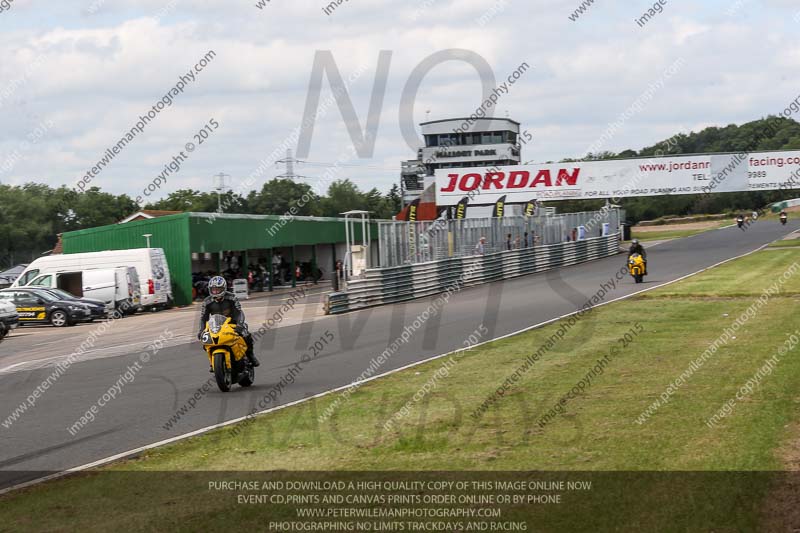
[(653, 235), (792, 242), (597, 431)]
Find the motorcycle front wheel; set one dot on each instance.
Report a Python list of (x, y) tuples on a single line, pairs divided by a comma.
[(222, 373)]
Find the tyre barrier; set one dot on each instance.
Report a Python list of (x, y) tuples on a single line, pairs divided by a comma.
[(382, 286)]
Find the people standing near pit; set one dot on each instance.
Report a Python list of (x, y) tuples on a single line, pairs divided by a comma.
[(480, 248), (284, 270), (276, 268), (338, 273)]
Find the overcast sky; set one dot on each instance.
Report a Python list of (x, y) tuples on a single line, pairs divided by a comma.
[(76, 75)]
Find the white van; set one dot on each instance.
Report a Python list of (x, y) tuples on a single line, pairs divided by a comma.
[(117, 288), (155, 285)]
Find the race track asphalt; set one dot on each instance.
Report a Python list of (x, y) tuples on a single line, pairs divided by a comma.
[(39, 441)]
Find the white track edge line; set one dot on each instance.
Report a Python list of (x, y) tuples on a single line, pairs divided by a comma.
[(122, 455)]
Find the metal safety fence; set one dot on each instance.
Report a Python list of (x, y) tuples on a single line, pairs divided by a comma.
[(405, 282), (405, 243)]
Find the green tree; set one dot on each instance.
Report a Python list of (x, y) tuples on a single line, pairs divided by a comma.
[(343, 195), (187, 200), (95, 208), (278, 196), (375, 203), (394, 200), (24, 230)]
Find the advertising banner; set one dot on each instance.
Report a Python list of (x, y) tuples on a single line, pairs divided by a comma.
[(584, 180), (499, 207), (411, 215), (530, 209), (461, 208)]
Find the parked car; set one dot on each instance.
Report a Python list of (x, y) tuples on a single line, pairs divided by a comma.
[(154, 283), (117, 287), (36, 306), (9, 318), (97, 307)]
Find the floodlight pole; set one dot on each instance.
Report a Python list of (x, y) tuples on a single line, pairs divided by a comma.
[(219, 189)]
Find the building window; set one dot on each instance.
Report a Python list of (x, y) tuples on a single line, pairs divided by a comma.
[(492, 137), (448, 139), (431, 140)]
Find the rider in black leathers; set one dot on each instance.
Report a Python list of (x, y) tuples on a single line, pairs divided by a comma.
[(637, 248), (228, 305)]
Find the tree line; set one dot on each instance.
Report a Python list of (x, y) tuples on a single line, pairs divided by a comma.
[(32, 215), (782, 134)]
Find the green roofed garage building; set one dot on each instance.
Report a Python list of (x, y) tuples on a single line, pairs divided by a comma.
[(199, 242)]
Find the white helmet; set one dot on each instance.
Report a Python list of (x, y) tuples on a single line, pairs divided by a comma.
[(217, 287)]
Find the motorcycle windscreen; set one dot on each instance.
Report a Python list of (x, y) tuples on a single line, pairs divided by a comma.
[(215, 323)]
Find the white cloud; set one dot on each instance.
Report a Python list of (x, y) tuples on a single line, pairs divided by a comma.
[(99, 72)]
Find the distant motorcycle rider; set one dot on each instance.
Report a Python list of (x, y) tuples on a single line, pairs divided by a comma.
[(740, 221), (783, 216), (221, 302), (637, 248)]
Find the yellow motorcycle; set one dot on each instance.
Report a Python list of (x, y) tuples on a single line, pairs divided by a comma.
[(226, 351), (636, 267)]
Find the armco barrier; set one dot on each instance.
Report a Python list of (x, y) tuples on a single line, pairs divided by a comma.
[(396, 284)]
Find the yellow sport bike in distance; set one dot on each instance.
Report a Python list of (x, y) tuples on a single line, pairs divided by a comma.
[(636, 267), (226, 353)]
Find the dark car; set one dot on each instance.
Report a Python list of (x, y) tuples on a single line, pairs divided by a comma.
[(36, 306), (96, 307)]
